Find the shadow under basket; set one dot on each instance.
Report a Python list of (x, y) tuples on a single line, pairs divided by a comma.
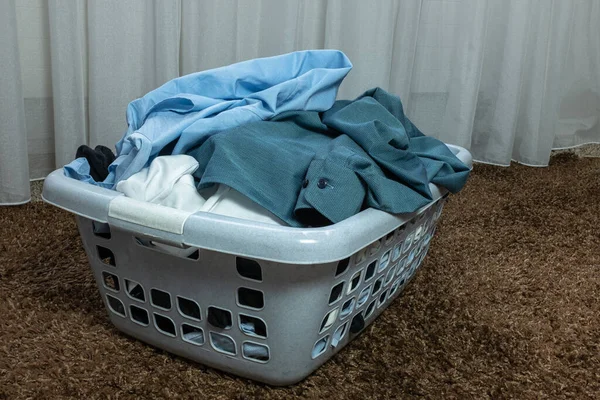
[(264, 302)]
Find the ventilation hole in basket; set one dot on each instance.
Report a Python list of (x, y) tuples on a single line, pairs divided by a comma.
[(411, 272), (336, 293), (251, 298), (374, 247), (357, 324), (384, 262), (342, 266), (110, 281), (255, 352), (370, 308), (189, 308), (418, 233), (437, 213), (248, 268), (383, 297), (195, 255), (390, 275), (411, 255), (433, 230), (192, 334), (419, 248), (106, 256), (338, 335), (222, 343), (219, 318), (116, 305), (139, 315), (394, 287), (253, 326), (419, 260), (135, 290), (407, 243), (319, 347), (101, 229), (389, 237), (329, 320), (377, 285), (360, 256), (354, 282), (426, 226), (363, 296), (370, 270), (397, 252), (427, 238), (347, 308), (164, 325), (401, 266), (160, 299)]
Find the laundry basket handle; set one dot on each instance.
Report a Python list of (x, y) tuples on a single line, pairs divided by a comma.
[(147, 215)]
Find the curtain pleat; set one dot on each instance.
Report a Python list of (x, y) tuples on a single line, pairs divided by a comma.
[(129, 54), (14, 166)]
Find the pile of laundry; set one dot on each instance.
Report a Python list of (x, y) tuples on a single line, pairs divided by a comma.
[(265, 140)]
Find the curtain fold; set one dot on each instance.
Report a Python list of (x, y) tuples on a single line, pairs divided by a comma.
[(361, 28), (404, 49), (129, 54), (579, 105), (507, 79), (68, 36), (14, 167)]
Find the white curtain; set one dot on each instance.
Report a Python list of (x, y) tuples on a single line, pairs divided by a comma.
[(508, 79)]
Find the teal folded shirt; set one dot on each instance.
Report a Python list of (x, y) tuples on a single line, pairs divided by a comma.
[(315, 168)]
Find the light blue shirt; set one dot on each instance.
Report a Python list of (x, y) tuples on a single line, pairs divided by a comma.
[(188, 110)]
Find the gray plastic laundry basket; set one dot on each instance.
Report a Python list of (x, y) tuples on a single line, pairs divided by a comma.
[(265, 302)]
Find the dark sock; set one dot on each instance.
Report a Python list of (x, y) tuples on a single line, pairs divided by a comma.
[(98, 159), (357, 324)]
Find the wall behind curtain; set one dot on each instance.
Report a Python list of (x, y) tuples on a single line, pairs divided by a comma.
[(508, 79)]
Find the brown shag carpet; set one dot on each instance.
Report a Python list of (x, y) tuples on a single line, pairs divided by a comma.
[(507, 304)]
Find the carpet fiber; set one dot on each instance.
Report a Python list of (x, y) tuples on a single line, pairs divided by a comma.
[(507, 304)]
